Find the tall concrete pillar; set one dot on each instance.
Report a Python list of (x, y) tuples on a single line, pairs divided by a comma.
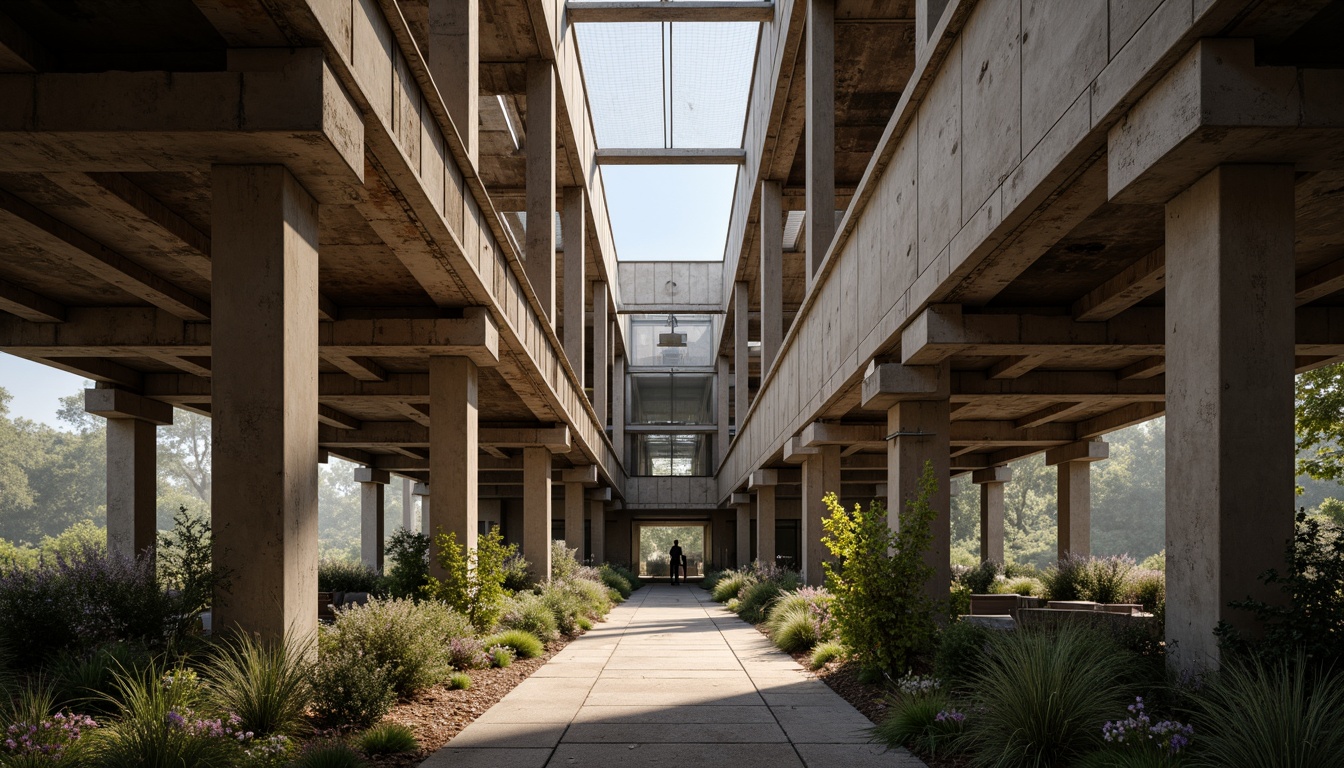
[(454, 447), (264, 349), (597, 517), (919, 435), (618, 407), (602, 337), (454, 64), (991, 482), (765, 523), (576, 285), (537, 510), (407, 504), (540, 149), (772, 272), (372, 483), (422, 493), (721, 391), (1074, 501), (1230, 443), (821, 475), (575, 510), (742, 506), (819, 223), (741, 356), (132, 427)]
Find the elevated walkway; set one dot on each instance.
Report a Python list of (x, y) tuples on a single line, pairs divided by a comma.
[(671, 679)]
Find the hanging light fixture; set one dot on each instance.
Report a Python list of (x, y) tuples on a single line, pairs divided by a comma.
[(672, 339)]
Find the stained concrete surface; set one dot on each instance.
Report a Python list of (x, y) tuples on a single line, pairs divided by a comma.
[(670, 679)]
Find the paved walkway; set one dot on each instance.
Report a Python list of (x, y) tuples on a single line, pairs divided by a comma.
[(671, 679)]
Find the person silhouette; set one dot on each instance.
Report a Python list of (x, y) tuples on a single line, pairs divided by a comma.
[(685, 574), (676, 560)]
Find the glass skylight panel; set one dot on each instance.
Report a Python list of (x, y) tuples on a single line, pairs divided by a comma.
[(623, 68), (793, 226), (710, 80)]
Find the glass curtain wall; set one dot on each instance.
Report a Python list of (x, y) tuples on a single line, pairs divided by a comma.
[(671, 400)]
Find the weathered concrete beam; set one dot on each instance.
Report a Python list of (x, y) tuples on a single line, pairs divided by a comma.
[(361, 368), (1137, 282), (20, 51), (797, 453), (1216, 106), (1049, 414), (673, 156), (943, 331), (587, 475), (275, 106), (30, 306), (588, 11), (1085, 451), (369, 475), (1000, 474), (334, 418), (885, 384), (1006, 433), (1320, 282), (120, 404), (1013, 366), (821, 433), (1125, 416), (1068, 385), (554, 438), (1146, 368)]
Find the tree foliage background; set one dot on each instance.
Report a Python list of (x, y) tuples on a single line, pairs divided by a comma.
[(52, 479)]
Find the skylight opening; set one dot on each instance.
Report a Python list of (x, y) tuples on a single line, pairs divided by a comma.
[(508, 121), (670, 212)]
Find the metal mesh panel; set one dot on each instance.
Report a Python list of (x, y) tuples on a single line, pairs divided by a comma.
[(623, 68), (711, 81)]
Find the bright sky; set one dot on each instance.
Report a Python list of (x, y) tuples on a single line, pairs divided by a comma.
[(669, 212), (37, 389)]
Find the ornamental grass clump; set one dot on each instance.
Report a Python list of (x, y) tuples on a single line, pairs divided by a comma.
[(34, 735), (524, 644), (1280, 712), (527, 612), (827, 652), (729, 586), (1041, 698), (927, 723), (798, 620), (387, 739), (266, 684), (329, 753)]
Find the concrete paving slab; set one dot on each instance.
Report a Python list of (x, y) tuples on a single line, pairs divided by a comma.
[(774, 700), (823, 725), (657, 714), (481, 735), (529, 712), (649, 755), (450, 757), (856, 756), (674, 733)]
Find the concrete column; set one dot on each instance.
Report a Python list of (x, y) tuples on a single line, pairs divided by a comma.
[(772, 272), (765, 523), (132, 422), (742, 505), (422, 492), (618, 406), (741, 357), (454, 64), (602, 336), (920, 432), (372, 483), (721, 391), (991, 483), (1074, 500), (264, 386), (1230, 449), (821, 475), (407, 504), (575, 509), (537, 510), (819, 223), (597, 515), (453, 454), (576, 285), (540, 149)]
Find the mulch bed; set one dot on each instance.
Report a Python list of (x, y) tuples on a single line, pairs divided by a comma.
[(439, 714)]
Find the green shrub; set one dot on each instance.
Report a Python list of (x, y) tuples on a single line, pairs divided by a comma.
[(37, 736), (585, 624), (348, 576), (350, 688), (1029, 586), (565, 605), (615, 581), (881, 609), (795, 630), (959, 601), (86, 681), (517, 574), (1156, 562), (408, 555), (1069, 579), (473, 583), (500, 657), (729, 586), (564, 561), (980, 578), (156, 726), (1021, 571), (523, 643), (527, 612), (408, 640), (467, 653), (1109, 578), (961, 653), (1043, 697), (1149, 589), (267, 685), (756, 600), (926, 723), (827, 652), (388, 739), (185, 562), (625, 573), (1311, 618), (1276, 712), (459, 681), (329, 753)]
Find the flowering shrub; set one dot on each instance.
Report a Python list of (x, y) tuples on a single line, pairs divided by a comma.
[(350, 689), (409, 640), (467, 653), (914, 685), (51, 740), (949, 716), (1139, 730)]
